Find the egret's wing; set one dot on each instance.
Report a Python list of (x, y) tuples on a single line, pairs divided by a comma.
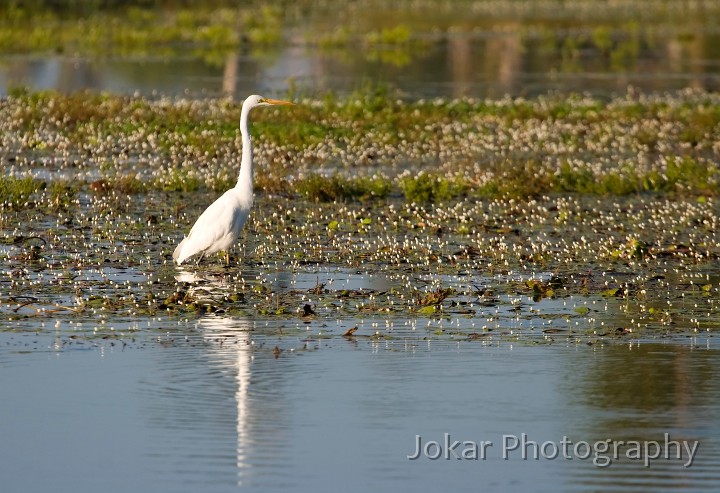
[(216, 223)]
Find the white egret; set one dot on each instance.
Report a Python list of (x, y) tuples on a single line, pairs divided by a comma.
[(219, 226)]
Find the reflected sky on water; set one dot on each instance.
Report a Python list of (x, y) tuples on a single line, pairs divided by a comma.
[(240, 405)]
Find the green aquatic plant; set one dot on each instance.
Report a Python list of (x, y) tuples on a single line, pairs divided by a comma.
[(138, 29), (602, 38), (397, 35), (124, 184), (699, 124), (61, 193), (263, 26), (339, 37), (517, 179), (321, 188), (178, 180), (684, 175), (625, 53), (541, 289), (429, 187), (331, 189), (512, 148), (395, 57), (15, 192)]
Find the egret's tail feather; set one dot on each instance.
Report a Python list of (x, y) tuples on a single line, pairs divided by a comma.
[(178, 256)]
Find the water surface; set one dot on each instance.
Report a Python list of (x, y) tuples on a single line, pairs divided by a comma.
[(491, 65), (231, 404)]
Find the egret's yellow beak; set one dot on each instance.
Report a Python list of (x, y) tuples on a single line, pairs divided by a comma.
[(279, 102)]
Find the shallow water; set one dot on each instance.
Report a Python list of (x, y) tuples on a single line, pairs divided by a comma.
[(232, 404), (465, 65)]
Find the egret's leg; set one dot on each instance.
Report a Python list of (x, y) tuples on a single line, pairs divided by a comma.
[(202, 255), (227, 258)]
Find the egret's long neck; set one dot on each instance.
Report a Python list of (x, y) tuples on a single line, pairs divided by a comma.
[(245, 180)]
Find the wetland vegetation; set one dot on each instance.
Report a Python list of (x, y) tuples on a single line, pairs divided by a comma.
[(589, 216), (616, 28), (567, 217), (615, 33)]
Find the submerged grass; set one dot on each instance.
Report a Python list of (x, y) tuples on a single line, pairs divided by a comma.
[(431, 188), (15, 192), (335, 188), (372, 144), (136, 29)]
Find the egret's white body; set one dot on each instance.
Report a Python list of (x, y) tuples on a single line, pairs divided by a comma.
[(218, 228)]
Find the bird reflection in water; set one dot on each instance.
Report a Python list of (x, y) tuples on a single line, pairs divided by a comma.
[(249, 354), (230, 342)]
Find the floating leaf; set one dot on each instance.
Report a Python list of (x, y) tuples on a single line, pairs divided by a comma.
[(542, 289), (436, 297), (477, 335), (556, 282), (637, 249), (307, 310), (350, 332)]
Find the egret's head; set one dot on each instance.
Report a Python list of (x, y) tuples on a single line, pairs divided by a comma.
[(255, 100)]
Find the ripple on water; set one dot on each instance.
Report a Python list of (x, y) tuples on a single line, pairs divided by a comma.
[(220, 401), (660, 393)]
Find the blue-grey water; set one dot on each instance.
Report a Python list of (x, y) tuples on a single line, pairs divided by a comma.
[(485, 66), (227, 404)]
